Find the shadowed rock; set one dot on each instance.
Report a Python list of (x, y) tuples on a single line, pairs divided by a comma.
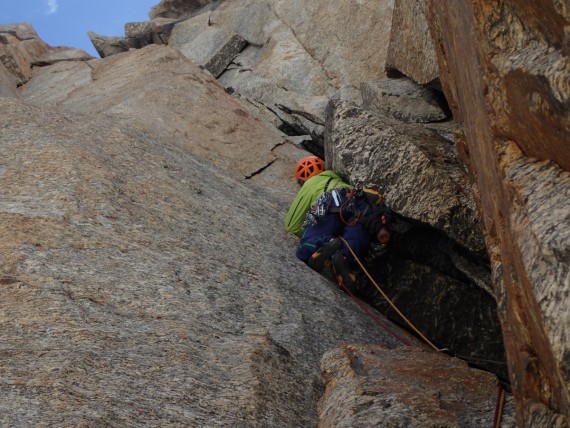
[(436, 270), (417, 169)]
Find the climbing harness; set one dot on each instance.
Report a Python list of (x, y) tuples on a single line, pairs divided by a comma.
[(327, 202), (501, 392), (350, 214)]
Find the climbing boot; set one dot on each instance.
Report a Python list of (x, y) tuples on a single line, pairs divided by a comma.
[(344, 275), (320, 257)]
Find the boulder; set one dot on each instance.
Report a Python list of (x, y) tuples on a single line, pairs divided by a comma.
[(21, 31), (21, 49), (157, 32), (411, 51), (504, 68), (107, 46), (404, 100), (179, 8), (417, 170), (377, 386), (220, 61), (137, 35)]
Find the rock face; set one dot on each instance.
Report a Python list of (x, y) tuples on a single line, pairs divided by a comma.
[(206, 125), (436, 271), (505, 71), (179, 8), (405, 387), (145, 278), (404, 100), (417, 169), (294, 61)]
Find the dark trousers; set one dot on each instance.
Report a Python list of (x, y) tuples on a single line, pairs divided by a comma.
[(329, 227)]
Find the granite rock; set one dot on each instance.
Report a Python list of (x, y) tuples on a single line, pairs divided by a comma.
[(411, 51), (377, 386), (504, 68)]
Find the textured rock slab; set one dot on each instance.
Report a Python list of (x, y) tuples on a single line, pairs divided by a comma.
[(375, 386), (402, 99), (52, 85), (178, 100), (62, 53), (142, 285), (411, 51), (416, 168), (197, 40), (290, 52), (179, 8), (350, 39), (504, 68)]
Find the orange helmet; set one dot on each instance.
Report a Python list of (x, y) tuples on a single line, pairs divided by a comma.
[(308, 167)]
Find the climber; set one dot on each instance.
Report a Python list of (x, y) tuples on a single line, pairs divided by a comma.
[(326, 208)]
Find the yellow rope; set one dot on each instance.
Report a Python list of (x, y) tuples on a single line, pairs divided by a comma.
[(412, 326)]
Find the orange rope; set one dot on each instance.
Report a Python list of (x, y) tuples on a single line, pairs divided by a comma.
[(412, 326), (501, 393), (499, 407)]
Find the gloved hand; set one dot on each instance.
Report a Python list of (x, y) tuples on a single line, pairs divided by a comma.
[(379, 216), (372, 222), (383, 235)]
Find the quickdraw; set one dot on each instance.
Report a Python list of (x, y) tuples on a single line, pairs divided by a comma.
[(327, 202), (350, 214)]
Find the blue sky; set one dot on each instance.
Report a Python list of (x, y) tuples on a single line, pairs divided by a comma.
[(66, 22)]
